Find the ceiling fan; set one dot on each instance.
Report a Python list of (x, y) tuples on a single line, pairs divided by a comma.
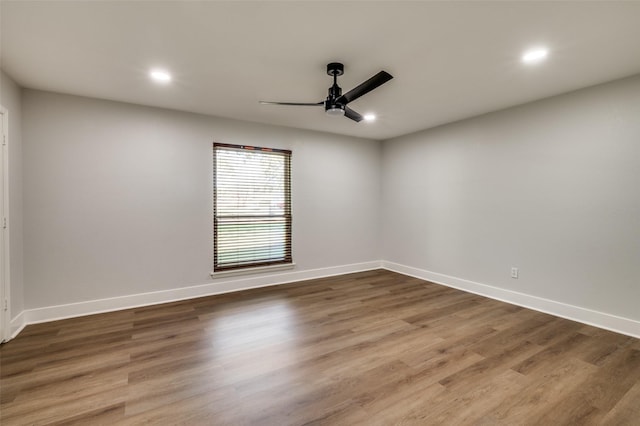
[(336, 102)]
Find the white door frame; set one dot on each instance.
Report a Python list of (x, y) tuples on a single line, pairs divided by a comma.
[(5, 327)]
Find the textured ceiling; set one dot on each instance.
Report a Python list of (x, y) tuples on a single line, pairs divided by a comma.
[(450, 60)]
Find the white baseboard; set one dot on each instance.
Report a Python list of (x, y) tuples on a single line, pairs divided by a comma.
[(219, 286), (610, 322), (16, 325), (51, 313)]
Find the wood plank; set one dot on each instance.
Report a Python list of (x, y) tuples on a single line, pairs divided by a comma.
[(371, 348), (627, 410)]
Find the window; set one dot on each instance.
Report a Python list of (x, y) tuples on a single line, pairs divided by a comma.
[(251, 207)]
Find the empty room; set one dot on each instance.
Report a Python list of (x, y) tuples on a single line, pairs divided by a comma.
[(320, 212)]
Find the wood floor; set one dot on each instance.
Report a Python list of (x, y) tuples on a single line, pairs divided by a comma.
[(373, 348)]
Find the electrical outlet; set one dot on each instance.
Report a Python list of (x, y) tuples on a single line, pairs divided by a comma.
[(514, 273)]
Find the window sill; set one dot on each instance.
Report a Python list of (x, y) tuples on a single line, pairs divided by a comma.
[(256, 270)]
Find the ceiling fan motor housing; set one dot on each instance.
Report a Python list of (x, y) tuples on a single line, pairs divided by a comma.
[(334, 92), (332, 107)]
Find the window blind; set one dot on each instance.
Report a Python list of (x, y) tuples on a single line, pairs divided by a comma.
[(251, 206)]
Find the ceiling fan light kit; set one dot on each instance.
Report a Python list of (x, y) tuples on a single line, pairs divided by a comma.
[(336, 103), (334, 110)]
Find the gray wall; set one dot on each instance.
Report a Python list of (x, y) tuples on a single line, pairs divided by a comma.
[(118, 197), (10, 98), (550, 187)]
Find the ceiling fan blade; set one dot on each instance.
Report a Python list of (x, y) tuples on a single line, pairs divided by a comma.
[(364, 88), (349, 113), (291, 103)]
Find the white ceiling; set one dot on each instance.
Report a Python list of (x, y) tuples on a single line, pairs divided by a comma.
[(450, 60)]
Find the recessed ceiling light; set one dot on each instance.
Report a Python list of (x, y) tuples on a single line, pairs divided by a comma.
[(160, 76), (369, 117), (535, 55)]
